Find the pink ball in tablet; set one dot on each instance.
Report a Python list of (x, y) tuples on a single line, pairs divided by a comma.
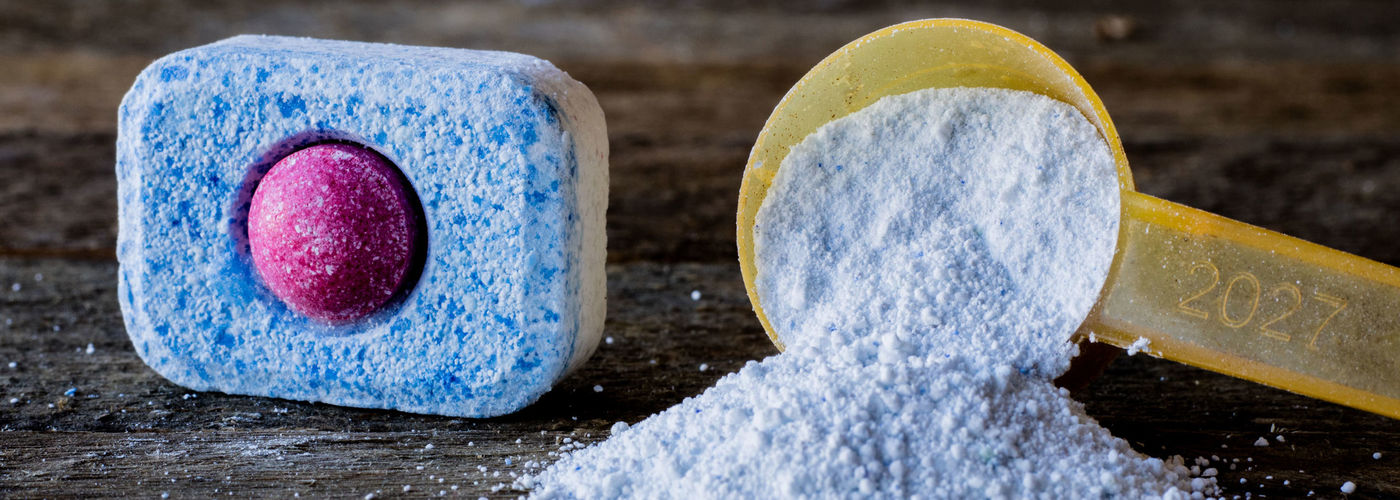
[(332, 231)]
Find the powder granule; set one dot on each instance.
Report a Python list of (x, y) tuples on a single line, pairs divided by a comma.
[(925, 260)]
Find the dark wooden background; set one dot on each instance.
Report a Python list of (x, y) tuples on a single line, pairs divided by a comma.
[(1284, 114)]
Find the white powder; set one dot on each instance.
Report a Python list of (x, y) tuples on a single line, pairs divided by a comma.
[(1139, 345), (925, 261), (990, 214)]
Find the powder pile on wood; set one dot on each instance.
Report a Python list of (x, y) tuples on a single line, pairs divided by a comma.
[(925, 261)]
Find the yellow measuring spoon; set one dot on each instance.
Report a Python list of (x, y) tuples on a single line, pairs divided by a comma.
[(1185, 285)]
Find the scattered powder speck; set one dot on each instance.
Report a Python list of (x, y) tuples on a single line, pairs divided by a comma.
[(90, 349), (618, 428), (695, 295), (13, 365), (608, 341), (1139, 345), (1376, 455), (15, 287), (14, 401), (1348, 487), (597, 388), (1261, 442), (704, 367), (924, 261)]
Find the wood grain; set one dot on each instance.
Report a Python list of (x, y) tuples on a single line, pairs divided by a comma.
[(1281, 114)]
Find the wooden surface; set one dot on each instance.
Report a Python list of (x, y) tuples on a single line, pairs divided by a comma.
[(1281, 114)]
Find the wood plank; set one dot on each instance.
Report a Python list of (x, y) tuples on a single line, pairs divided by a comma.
[(1307, 146), (725, 30), (124, 424)]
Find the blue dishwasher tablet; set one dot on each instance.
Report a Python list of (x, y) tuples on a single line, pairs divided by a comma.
[(494, 164)]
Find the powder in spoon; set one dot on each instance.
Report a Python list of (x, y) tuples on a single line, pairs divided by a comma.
[(924, 260), (990, 212)]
